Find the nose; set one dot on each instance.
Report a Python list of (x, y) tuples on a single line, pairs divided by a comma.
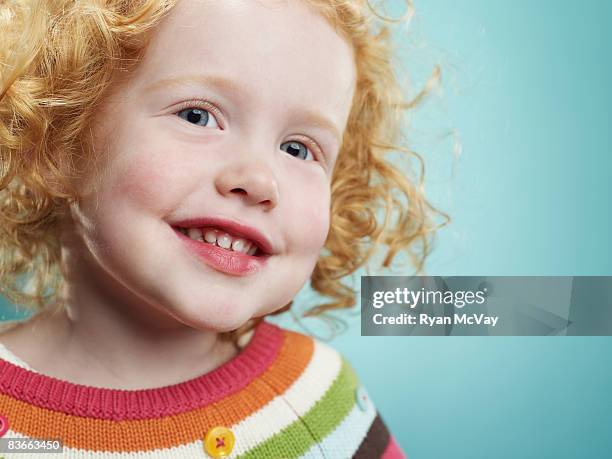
[(254, 182)]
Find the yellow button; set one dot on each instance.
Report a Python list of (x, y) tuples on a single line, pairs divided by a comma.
[(219, 442)]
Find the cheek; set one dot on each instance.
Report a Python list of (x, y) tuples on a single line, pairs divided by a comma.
[(149, 180), (318, 226), (140, 166), (311, 214), (142, 180)]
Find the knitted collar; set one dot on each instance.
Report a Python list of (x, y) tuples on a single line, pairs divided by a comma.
[(119, 404)]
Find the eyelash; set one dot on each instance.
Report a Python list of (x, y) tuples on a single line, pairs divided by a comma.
[(205, 105)]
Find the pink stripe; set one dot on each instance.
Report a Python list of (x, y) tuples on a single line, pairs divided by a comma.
[(116, 404), (393, 451)]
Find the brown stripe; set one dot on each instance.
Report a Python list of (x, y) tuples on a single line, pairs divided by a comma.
[(374, 444), (132, 435)]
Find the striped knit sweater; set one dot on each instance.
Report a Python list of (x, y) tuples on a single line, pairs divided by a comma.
[(285, 395)]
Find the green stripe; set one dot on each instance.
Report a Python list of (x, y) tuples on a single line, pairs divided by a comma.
[(298, 437)]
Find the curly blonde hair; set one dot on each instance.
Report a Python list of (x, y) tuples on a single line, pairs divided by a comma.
[(57, 60)]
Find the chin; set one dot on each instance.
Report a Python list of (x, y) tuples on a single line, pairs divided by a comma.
[(218, 320)]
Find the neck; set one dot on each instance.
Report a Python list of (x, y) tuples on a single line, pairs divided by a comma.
[(108, 339)]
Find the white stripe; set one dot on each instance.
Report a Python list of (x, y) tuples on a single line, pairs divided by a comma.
[(280, 412), (191, 451), (298, 399)]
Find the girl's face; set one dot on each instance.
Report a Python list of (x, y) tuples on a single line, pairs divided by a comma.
[(235, 113)]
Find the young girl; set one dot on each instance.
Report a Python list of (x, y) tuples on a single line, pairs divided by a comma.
[(173, 172)]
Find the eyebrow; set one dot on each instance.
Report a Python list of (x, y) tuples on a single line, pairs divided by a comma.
[(230, 86), (216, 81)]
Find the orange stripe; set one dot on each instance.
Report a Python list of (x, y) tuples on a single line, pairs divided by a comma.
[(148, 434)]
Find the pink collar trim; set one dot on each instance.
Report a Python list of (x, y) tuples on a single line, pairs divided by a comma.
[(117, 404)]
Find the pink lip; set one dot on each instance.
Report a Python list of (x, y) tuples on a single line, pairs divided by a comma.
[(233, 228), (229, 262)]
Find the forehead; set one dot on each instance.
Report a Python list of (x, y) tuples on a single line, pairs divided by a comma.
[(284, 46)]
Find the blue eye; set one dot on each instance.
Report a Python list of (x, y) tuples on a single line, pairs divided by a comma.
[(199, 117), (296, 149)]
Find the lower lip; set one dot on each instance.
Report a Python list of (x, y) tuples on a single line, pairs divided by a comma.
[(226, 261)]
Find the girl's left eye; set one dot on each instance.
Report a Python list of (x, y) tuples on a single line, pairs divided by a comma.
[(297, 149), (199, 117)]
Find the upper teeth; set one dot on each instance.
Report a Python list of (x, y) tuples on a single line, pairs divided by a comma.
[(221, 239)]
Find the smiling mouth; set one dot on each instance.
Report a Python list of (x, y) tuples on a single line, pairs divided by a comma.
[(227, 254), (223, 240)]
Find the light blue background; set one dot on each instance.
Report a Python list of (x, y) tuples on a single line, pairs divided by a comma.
[(526, 90), (518, 147)]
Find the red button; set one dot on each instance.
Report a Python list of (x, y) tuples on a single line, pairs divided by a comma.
[(3, 425)]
